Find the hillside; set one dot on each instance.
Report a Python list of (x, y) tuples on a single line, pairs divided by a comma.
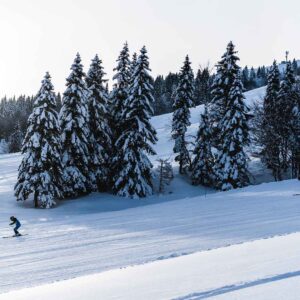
[(101, 232)]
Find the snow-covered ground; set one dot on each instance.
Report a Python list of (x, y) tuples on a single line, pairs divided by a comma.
[(102, 233), (259, 270)]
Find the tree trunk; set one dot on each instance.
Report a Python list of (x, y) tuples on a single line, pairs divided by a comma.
[(180, 167), (161, 178), (36, 203)]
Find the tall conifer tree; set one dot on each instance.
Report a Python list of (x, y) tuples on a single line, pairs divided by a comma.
[(203, 161), (269, 136), (120, 89), (75, 133), (231, 162), (40, 172), (227, 70), (100, 132), (284, 116), (134, 177), (183, 101)]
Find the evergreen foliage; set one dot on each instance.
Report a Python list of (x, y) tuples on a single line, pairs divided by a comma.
[(227, 70), (75, 133), (231, 161), (165, 174), (100, 133), (183, 101), (269, 138), (134, 177), (40, 172), (202, 165)]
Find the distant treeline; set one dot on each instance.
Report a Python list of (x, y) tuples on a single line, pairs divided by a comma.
[(14, 111)]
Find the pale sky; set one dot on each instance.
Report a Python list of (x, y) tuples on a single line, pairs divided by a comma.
[(44, 35)]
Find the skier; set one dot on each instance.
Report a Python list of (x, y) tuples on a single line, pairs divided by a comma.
[(18, 225)]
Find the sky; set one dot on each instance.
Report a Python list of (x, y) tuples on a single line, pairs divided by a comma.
[(45, 35)]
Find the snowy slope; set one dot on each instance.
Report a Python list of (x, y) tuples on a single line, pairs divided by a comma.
[(163, 123), (262, 269), (102, 232)]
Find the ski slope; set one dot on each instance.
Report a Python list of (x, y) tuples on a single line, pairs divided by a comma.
[(101, 232), (259, 270)]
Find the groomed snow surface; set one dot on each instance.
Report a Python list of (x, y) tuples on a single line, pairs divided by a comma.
[(193, 243)]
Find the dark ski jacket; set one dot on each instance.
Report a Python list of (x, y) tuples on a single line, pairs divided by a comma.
[(15, 221)]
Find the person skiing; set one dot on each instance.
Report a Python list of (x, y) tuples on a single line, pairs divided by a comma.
[(15, 221)]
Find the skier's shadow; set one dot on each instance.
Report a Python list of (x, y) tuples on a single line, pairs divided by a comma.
[(235, 287)]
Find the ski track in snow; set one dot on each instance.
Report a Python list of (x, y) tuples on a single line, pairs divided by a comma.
[(260, 270), (103, 232)]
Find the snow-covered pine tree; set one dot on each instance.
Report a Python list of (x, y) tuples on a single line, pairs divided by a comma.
[(134, 177), (120, 89), (284, 116), (133, 64), (75, 133), (58, 102), (183, 101), (118, 96), (100, 132), (227, 70), (294, 138), (40, 172), (202, 165), (16, 139), (231, 161), (295, 67), (202, 87), (269, 138)]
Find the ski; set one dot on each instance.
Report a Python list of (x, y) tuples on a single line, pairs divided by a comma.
[(14, 236)]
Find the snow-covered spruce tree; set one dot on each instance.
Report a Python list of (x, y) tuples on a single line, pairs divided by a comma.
[(284, 117), (183, 101), (227, 70), (202, 165), (118, 96), (75, 133), (231, 161), (40, 172), (202, 87), (100, 132), (133, 64), (269, 137), (16, 139), (294, 138), (120, 89), (134, 177)]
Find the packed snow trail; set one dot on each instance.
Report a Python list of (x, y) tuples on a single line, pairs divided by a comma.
[(79, 237), (234, 272)]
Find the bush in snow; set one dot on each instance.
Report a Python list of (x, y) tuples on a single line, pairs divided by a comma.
[(164, 173)]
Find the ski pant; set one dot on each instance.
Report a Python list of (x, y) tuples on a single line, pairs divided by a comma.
[(16, 229)]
